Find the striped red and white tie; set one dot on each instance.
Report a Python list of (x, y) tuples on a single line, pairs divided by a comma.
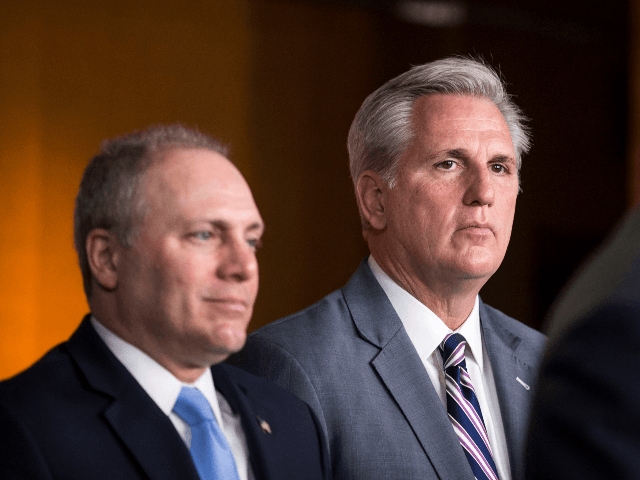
[(464, 410)]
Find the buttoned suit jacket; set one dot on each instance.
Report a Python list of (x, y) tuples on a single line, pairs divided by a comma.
[(78, 414), (350, 358)]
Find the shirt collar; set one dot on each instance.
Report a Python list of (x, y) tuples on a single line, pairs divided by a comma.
[(157, 381), (472, 332), (425, 329)]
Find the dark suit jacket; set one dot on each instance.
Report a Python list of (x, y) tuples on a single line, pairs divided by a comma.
[(350, 358), (586, 414), (78, 414)]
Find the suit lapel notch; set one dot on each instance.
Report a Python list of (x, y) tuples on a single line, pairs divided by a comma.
[(403, 373), (372, 313)]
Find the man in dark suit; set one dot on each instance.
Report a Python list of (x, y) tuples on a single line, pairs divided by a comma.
[(166, 231), (435, 156), (585, 422)]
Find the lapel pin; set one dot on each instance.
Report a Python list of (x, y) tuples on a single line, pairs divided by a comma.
[(263, 425), (527, 387)]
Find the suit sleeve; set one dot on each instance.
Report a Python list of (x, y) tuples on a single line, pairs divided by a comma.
[(20, 458), (266, 359), (585, 422)]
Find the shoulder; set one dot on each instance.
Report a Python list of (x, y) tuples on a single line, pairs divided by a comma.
[(313, 343), (41, 383), (250, 382), (333, 316), (582, 377), (20, 457), (45, 404), (513, 332), (300, 452), (265, 397), (328, 317), (598, 332), (497, 320), (257, 388)]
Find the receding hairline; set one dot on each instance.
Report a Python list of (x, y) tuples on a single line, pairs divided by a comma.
[(499, 120), (158, 153), (157, 157)]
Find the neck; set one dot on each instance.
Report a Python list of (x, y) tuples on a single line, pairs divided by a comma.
[(451, 301), (183, 369)]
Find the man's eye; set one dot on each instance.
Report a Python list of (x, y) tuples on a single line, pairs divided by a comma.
[(497, 168), (204, 235), (254, 243), (447, 164)]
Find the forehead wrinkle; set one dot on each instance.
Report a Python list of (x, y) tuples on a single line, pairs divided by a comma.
[(479, 125), (496, 127)]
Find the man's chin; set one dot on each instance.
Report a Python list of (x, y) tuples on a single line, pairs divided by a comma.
[(479, 264), (476, 272), (228, 342)]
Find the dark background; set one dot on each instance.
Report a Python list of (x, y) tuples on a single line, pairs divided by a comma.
[(565, 64), (280, 81)]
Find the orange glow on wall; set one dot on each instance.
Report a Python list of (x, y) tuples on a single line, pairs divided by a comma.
[(72, 74)]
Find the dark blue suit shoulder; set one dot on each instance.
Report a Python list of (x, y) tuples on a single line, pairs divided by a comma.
[(41, 377), (257, 387)]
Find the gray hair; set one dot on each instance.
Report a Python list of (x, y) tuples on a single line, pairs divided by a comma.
[(381, 130), (110, 194)]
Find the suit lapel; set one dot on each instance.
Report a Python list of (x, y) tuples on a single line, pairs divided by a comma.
[(146, 431), (403, 374), (508, 373), (251, 412)]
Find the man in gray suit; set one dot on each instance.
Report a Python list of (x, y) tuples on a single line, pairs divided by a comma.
[(435, 156)]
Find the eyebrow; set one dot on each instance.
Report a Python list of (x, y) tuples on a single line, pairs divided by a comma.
[(255, 226), (503, 158), (462, 154), (224, 225), (459, 153)]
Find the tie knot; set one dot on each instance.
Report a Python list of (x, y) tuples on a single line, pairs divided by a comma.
[(452, 348), (193, 407)]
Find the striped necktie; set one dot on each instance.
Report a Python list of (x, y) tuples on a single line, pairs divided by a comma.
[(464, 410), (210, 451)]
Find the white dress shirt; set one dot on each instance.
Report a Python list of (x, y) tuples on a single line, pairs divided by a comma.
[(426, 331), (164, 389)]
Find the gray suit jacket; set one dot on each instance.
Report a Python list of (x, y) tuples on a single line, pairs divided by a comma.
[(350, 358)]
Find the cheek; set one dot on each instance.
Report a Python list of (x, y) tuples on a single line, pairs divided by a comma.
[(178, 277), (507, 215), (254, 288)]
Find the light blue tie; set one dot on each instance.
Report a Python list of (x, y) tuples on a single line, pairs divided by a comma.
[(210, 450)]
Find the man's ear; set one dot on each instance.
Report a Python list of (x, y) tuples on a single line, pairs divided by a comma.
[(370, 190), (103, 251)]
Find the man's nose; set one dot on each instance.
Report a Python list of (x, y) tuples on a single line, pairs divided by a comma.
[(237, 261), (480, 188)]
